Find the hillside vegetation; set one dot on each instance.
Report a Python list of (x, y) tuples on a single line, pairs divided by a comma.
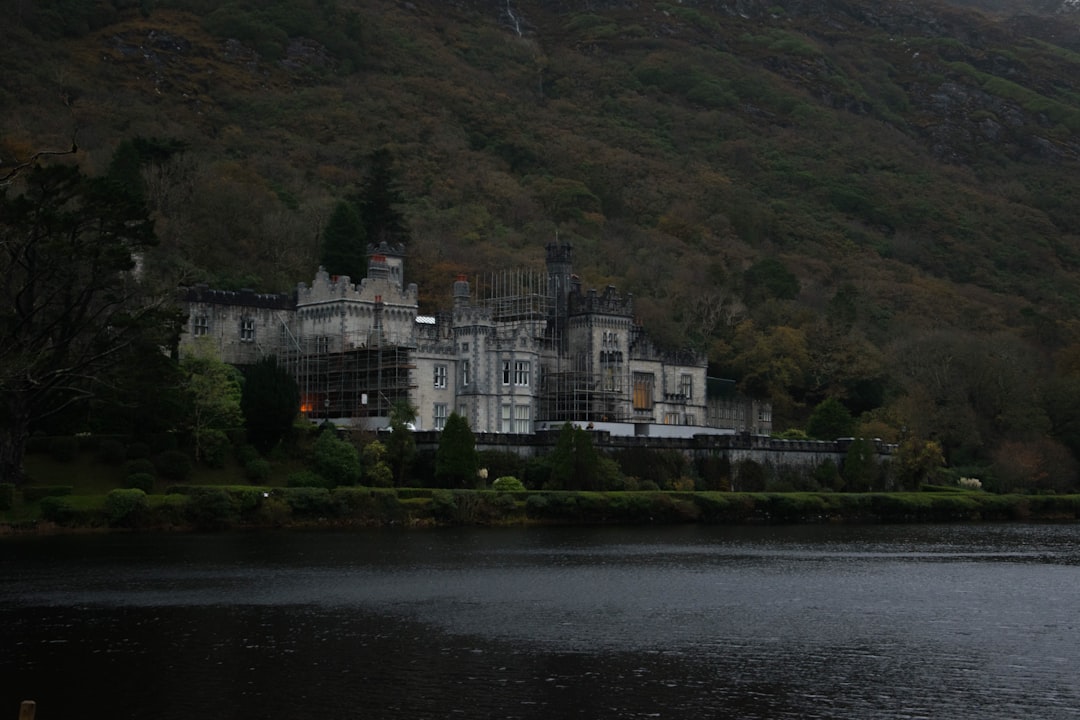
[(872, 201)]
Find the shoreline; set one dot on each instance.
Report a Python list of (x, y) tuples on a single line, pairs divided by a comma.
[(230, 508)]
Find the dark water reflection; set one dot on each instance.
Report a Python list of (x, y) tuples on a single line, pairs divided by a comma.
[(682, 622)]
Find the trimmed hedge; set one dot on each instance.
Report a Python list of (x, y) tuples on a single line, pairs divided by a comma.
[(33, 493)]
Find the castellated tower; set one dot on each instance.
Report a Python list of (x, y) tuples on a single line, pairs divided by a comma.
[(560, 272)]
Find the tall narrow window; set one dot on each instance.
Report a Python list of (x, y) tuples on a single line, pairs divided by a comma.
[(506, 372), (611, 369), (440, 416), (464, 372), (506, 422), (521, 373), (686, 386), (522, 419), (440, 377), (247, 329), (643, 391)]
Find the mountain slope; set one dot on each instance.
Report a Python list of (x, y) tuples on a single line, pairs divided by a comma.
[(806, 188)]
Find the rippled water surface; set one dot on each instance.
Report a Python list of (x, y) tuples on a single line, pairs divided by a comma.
[(683, 622)]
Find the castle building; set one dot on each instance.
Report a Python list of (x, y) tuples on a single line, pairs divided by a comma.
[(518, 352)]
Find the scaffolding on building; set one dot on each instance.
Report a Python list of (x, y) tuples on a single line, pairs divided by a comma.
[(349, 380), (525, 300), (515, 295)]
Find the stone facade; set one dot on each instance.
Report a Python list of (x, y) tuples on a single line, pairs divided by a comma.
[(519, 353)]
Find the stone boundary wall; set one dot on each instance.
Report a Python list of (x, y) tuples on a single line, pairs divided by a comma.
[(742, 446)]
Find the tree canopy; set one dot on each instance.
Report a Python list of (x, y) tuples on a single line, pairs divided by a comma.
[(270, 401), (456, 459), (72, 306)]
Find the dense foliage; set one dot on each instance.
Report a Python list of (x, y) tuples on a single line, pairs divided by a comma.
[(864, 201)]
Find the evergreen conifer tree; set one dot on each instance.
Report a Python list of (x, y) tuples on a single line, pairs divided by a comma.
[(343, 249), (456, 459)]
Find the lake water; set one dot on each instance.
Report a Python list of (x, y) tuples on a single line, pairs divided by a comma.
[(958, 621)]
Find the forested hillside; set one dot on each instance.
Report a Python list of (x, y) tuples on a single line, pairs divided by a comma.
[(852, 199)]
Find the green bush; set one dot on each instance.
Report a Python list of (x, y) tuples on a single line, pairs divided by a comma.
[(306, 479), (141, 465), (336, 460), (379, 475), (247, 453), (351, 501), (507, 483), (173, 465), (307, 501), (536, 506), (631, 507), (125, 507), (32, 493), (257, 470), (443, 506), (140, 481), (57, 509), (215, 448), (81, 511), (166, 510), (211, 508), (64, 448), (7, 496)]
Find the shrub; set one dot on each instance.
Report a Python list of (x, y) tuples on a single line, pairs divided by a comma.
[(125, 507), (7, 496), (214, 445), (536, 506), (247, 453), (443, 505), (63, 449), (57, 509), (140, 481), (336, 460), (111, 452), (310, 501), (351, 501), (33, 493), (306, 479), (631, 507), (211, 508), (379, 475), (257, 470), (173, 465), (142, 465), (502, 463), (507, 483)]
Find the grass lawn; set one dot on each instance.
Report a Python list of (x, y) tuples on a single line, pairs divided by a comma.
[(89, 477)]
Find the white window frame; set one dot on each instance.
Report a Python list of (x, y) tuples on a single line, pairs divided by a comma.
[(464, 373), (522, 370), (441, 413), (506, 418), (522, 419), (439, 374), (686, 386)]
